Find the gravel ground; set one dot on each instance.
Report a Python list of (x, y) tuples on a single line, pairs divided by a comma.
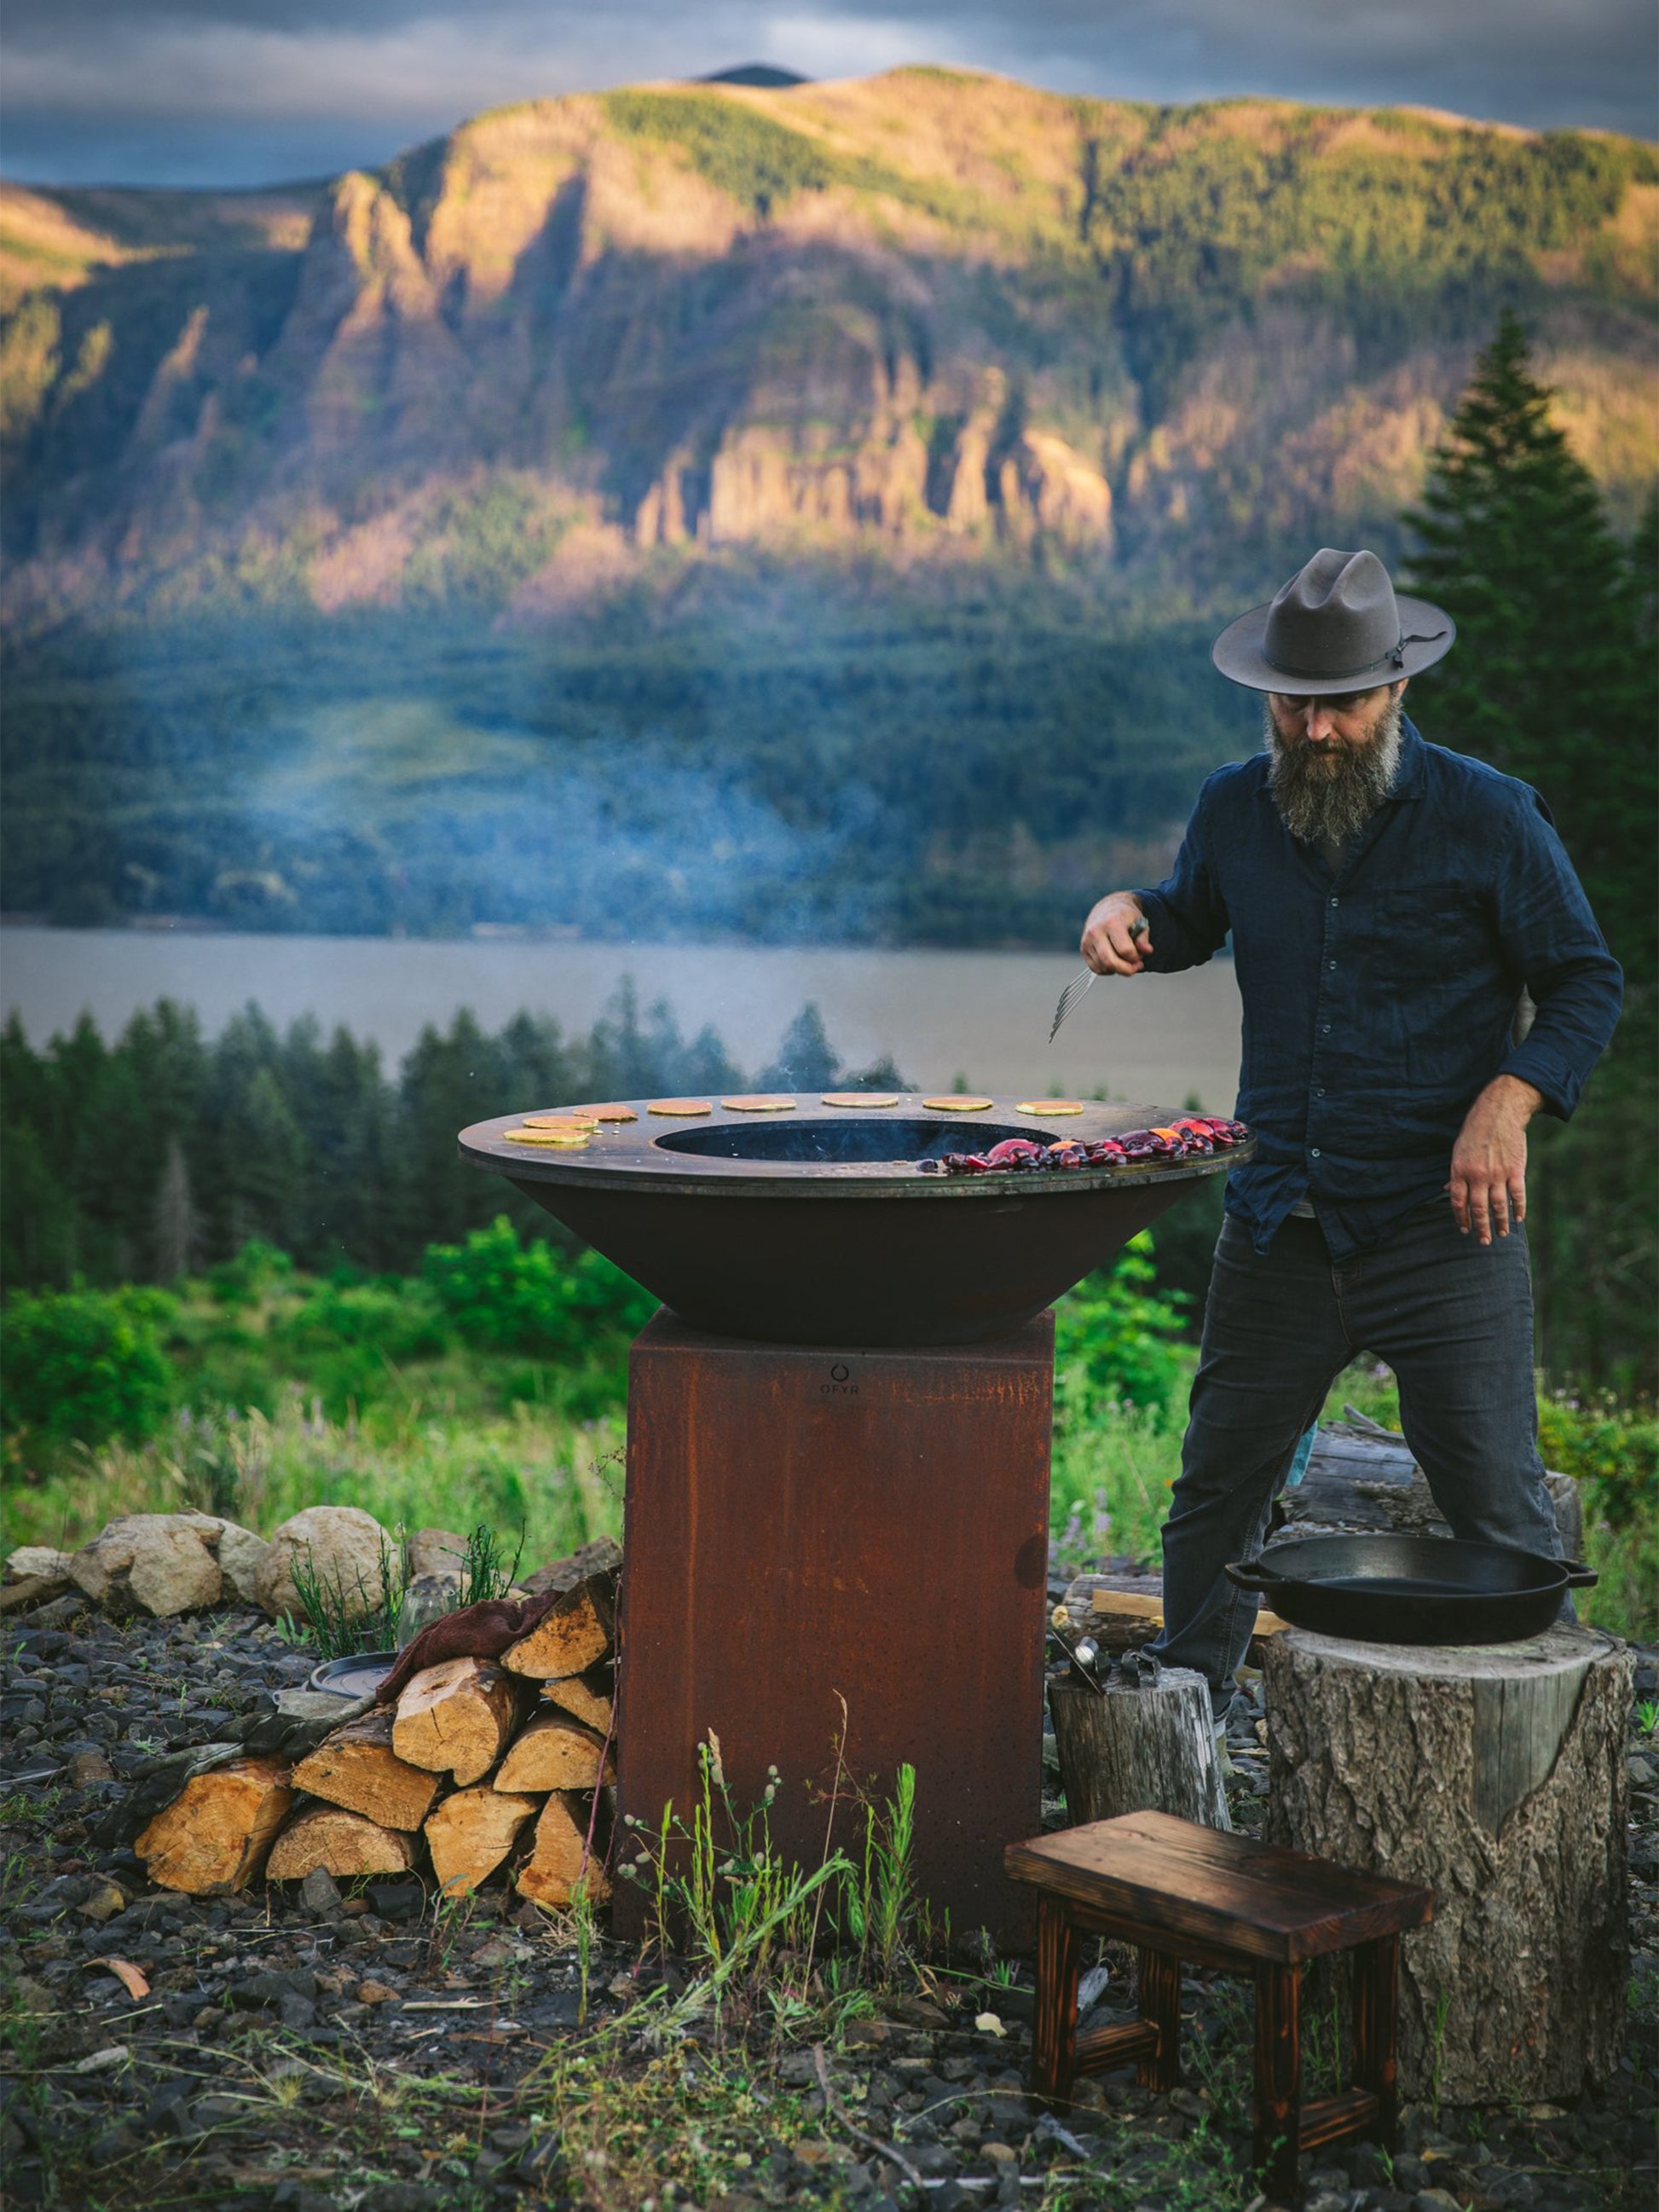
[(315, 2051)]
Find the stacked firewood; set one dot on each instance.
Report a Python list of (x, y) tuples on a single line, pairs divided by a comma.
[(476, 1764)]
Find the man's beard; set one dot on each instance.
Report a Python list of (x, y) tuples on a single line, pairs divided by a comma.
[(1325, 792)]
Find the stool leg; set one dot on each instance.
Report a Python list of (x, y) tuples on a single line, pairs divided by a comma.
[(1375, 1978), (1160, 2003), (1054, 2031), (1278, 2078)]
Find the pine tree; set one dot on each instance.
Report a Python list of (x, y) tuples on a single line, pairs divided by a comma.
[(1546, 679), (1552, 680)]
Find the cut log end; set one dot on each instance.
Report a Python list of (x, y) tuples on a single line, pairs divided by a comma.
[(341, 1843), (552, 1752), (575, 1635), (455, 1718), (358, 1769), (588, 1697), (561, 1863), (213, 1838), (472, 1833)]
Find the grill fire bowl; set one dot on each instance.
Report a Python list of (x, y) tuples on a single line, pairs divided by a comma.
[(814, 1225)]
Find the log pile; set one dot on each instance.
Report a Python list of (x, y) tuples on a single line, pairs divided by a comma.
[(478, 1764)]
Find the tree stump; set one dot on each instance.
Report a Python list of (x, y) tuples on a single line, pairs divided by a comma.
[(1138, 1749), (1498, 1775)]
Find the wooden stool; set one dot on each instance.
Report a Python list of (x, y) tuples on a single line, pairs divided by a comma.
[(1177, 1891)]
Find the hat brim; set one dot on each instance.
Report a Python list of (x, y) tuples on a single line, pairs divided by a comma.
[(1429, 631)]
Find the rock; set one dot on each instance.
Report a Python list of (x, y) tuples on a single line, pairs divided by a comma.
[(320, 1892), (347, 1549), (435, 1551), (374, 1993), (154, 1563), (241, 1554), (37, 1563), (87, 1767), (104, 1902)]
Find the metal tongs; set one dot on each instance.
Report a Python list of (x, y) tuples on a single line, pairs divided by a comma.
[(1078, 984)]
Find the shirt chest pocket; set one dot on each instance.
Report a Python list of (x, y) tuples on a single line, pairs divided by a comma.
[(1424, 938)]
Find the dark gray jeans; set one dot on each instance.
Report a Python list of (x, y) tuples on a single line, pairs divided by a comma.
[(1452, 1317)]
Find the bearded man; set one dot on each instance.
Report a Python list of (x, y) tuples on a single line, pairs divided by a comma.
[(1392, 905)]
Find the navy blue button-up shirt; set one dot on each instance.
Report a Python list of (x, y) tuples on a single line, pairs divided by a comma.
[(1379, 1000)]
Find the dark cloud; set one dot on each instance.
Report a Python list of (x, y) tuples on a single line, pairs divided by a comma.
[(239, 91)]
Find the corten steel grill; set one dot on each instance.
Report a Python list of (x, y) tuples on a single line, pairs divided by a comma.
[(838, 1455), (814, 1226)]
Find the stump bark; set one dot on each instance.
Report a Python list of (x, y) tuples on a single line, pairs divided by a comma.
[(1498, 1775), (1148, 1748)]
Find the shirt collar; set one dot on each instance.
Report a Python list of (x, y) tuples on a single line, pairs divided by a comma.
[(1413, 763)]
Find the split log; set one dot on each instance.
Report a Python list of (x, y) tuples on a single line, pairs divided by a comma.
[(559, 1861), (552, 1753), (341, 1843), (575, 1634), (1145, 1748), (1121, 1612), (589, 1696), (1497, 1774), (214, 1836), (1360, 1475), (455, 1718), (471, 1833), (356, 1767)]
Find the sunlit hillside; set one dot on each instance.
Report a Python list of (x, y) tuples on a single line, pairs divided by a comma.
[(856, 464)]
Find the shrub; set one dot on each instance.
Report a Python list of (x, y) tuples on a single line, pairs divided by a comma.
[(257, 1270), (1613, 1451), (509, 1296), (1121, 1340), (87, 1365)]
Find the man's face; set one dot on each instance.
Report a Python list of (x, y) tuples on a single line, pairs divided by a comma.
[(1327, 728), (1332, 760)]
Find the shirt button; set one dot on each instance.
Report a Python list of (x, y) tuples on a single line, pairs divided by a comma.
[(1331, 964), (1320, 1092), (1324, 1029), (1336, 901), (1315, 1152)]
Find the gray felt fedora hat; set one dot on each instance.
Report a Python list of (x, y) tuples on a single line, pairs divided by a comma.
[(1338, 625)]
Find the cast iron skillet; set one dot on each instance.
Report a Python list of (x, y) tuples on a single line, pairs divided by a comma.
[(1411, 1590)]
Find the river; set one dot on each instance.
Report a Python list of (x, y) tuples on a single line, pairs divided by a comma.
[(1158, 1039)]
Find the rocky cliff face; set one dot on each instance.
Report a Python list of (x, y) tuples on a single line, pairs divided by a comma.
[(925, 314)]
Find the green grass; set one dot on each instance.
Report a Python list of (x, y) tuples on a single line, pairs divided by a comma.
[(281, 1409)]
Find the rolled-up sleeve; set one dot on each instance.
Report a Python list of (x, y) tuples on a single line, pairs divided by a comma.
[(1550, 936), (1187, 915)]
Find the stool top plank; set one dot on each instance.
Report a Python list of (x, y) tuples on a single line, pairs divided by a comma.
[(1174, 1878)]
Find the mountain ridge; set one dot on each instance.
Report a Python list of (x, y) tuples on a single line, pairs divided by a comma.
[(776, 514), (928, 310)]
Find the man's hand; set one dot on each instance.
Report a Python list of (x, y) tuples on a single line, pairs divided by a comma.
[(1488, 1182), (1112, 945)]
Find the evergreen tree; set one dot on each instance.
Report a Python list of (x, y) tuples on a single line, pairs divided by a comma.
[(1546, 679), (806, 1061), (1552, 680)]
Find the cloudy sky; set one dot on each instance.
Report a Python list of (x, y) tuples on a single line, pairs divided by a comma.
[(249, 91)]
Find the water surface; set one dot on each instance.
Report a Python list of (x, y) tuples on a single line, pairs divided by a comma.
[(940, 1014)]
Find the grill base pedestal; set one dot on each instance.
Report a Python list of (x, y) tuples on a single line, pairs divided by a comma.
[(801, 1522)]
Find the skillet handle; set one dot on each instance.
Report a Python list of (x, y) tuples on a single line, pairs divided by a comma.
[(1578, 1576), (1249, 1574)]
